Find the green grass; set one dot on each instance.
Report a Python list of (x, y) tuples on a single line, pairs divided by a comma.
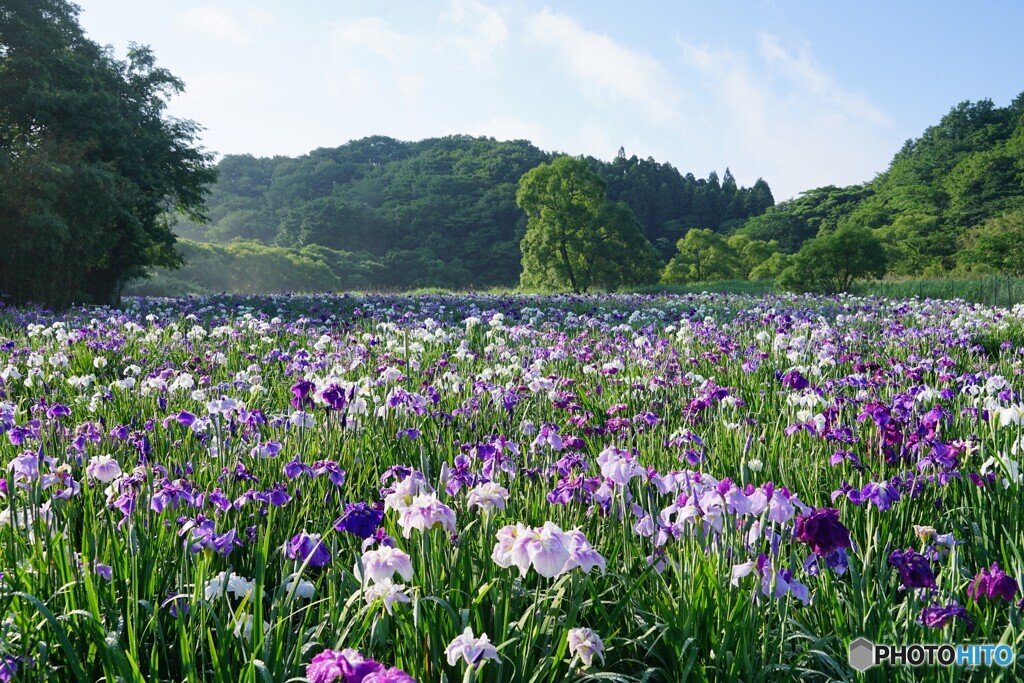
[(992, 291)]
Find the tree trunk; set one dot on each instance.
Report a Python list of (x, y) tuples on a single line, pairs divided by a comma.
[(568, 267)]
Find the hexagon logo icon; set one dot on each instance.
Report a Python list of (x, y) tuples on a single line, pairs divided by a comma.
[(862, 654)]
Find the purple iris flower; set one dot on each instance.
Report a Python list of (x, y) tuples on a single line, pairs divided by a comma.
[(308, 548), (822, 531), (300, 394), (459, 475), (185, 418), (57, 411), (360, 519), (392, 675), (914, 569), (219, 500), (882, 494), (178, 603), (346, 666), (936, 616), (331, 469), (170, 493), (296, 467), (841, 455), (509, 400), (334, 397), (278, 495), (204, 536), (793, 380), (8, 668), (993, 583)]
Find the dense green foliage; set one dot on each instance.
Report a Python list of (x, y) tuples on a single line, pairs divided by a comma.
[(949, 201), (89, 163), (443, 212), (575, 238), (833, 261), (998, 243)]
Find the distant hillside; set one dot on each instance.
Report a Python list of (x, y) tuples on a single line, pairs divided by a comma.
[(958, 183), (440, 212)]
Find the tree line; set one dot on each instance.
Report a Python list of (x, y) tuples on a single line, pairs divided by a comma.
[(443, 211), (950, 203)]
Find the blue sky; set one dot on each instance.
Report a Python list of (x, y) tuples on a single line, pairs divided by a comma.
[(800, 93)]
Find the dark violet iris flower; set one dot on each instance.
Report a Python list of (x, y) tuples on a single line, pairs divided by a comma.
[(308, 548), (914, 568), (334, 397), (993, 583), (360, 519), (300, 394), (795, 381), (345, 666), (822, 531), (936, 616)]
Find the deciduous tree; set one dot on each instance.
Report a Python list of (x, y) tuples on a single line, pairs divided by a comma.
[(703, 256), (832, 262), (574, 238)]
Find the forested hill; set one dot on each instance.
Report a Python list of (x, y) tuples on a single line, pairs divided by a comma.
[(442, 211), (951, 200)]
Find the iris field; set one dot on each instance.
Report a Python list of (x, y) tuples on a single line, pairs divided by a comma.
[(507, 488)]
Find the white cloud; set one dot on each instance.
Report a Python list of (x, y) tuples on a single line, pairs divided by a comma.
[(605, 70), (784, 115), (373, 59), (805, 74), (474, 30), (216, 24)]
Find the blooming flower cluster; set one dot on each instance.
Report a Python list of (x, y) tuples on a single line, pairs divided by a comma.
[(300, 474)]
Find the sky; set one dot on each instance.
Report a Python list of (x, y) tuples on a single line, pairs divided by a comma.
[(802, 93)]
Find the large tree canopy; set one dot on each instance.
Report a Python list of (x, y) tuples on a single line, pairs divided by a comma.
[(574, 237), (92, 170)]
